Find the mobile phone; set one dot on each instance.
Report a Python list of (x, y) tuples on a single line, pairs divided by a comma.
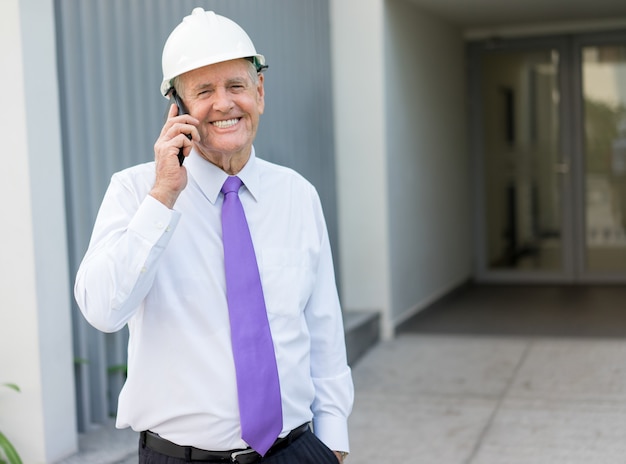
[(174, 98)]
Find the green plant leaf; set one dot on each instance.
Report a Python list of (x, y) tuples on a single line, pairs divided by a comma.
[(12, 386), (118, 369), (9, 451)]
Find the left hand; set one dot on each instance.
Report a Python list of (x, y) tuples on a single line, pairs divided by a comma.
[(339, 456)]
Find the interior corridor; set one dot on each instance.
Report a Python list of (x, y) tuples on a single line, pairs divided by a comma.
[(526, 310)]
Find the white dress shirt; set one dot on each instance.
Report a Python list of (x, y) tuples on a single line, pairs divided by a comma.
[(161, 271)]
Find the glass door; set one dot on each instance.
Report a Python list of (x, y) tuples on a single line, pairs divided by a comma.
[(523, 174), (603, 82), (548, 131)]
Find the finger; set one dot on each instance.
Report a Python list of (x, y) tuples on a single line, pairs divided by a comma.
[(188, 130), (173, 116), (184, 142), (171, 113), (169, 151)]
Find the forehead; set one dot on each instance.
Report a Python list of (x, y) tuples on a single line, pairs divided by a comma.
[(218, 72)]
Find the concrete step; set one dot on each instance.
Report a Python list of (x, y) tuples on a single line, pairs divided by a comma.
[(362, 332)]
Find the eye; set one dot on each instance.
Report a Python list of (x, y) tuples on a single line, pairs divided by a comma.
[(203, 92)]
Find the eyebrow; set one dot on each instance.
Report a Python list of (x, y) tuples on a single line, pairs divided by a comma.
[(200, 87), (232, 80)]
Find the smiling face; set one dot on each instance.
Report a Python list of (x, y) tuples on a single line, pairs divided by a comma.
[(228, 102)]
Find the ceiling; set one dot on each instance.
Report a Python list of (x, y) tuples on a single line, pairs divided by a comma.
[(472, 14)]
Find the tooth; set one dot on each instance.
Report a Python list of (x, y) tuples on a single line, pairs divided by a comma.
[(227, 123)]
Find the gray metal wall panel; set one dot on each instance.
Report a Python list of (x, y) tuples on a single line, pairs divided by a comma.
[(112, 112)]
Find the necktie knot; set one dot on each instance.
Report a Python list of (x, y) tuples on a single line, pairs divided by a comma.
[(232, 184)]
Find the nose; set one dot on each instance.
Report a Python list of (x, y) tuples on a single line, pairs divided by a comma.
[(222, 100)]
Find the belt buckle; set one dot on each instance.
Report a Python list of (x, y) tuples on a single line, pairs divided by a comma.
[(234, 457)]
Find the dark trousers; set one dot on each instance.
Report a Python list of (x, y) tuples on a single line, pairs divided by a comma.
[(307, 449)]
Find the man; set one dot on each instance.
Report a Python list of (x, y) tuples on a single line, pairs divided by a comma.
[(160, 261)]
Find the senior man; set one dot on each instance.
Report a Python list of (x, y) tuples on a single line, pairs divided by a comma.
[(219, 263)]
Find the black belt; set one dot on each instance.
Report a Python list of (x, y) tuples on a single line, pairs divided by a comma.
[(240, 456)]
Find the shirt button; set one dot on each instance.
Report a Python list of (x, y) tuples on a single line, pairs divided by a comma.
[(159, 225)]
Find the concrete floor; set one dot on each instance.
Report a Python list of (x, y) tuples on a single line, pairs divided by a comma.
[(470, 399), (499, 375), (496, 375)]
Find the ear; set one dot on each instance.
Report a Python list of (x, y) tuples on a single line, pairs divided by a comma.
[(261, 93)]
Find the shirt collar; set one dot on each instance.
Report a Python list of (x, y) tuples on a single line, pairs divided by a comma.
[(210, 178)]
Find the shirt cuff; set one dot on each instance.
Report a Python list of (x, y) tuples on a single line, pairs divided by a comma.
[(153, 220), (333, 431)]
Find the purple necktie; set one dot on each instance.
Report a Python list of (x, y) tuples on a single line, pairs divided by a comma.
[(258, 386)]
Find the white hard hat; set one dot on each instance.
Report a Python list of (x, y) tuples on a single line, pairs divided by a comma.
[(205, 38)]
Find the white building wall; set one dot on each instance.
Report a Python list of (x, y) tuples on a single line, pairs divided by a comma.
[(402, 157), (430, 219), (35, 338), (358, 92)]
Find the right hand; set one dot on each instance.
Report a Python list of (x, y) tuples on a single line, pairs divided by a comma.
[(171, 177)]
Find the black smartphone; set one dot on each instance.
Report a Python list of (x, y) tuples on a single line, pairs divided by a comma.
[(174, 98)]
